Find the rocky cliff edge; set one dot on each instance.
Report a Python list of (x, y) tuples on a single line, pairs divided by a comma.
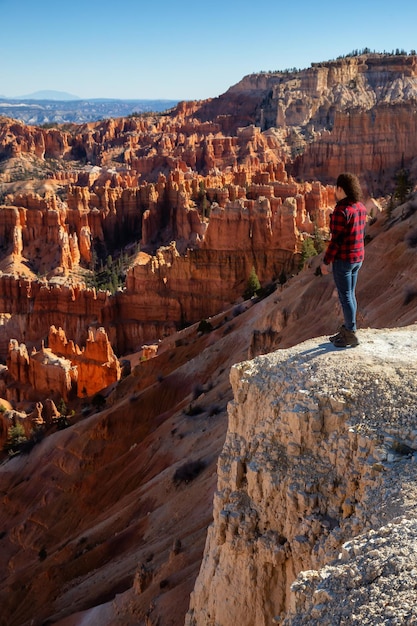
[(314, 514)]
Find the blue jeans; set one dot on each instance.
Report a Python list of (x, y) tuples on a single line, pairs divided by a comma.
[(345, 276)]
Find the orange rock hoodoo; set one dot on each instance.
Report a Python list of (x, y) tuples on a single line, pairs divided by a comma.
[(96, 364), (62, 368)]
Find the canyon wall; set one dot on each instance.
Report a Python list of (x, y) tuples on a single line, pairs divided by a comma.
[(96, 365), (30, 307), (376, 143), (319, 459), (349, 114), (315, 94), (304, 107)]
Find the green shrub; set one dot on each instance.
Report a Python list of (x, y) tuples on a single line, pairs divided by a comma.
[(188, 472), (252, 286), (307, 251), (193, 410), (62, 407), (16, 437), (204, 327), (403, 186), (98, 401), (42, 554)]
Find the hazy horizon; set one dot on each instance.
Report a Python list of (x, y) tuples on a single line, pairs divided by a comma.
[(51, 94)]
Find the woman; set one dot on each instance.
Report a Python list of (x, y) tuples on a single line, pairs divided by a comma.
[(346, 252)]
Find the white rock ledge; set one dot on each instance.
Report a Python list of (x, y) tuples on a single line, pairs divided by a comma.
[(314, 516)]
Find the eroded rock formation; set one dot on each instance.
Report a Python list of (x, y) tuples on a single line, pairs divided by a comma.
[(317, 442), (351, 113), (189, 202), (220, 178), (62, 369), (30, 307), (204, 267)]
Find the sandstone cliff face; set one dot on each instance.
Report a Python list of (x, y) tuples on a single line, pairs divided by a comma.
[(327, 113), (264, 234), (314, 94), (365, 141), (316, 443), (94, 526), (30, 307), (304, 106), (98, 367), (97, 494)]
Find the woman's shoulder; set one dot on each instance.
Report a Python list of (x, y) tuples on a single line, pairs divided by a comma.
[(359, 206)]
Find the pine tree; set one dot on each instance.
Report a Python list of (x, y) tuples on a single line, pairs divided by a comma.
[(15, 438), (308, 250), (253, 285), (404, 185)]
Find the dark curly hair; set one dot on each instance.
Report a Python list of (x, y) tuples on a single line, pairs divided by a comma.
[(350, 185)]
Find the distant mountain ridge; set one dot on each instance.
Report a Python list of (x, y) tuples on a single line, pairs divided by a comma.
[(36, 111), (47, 94)]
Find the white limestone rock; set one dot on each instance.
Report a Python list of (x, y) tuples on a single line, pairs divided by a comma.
[(318, 460)]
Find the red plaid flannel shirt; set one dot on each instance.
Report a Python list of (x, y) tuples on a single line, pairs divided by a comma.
[(347, 227)]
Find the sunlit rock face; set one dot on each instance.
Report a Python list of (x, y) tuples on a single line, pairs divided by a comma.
[(63, 369), (315, 470), (351, 114)]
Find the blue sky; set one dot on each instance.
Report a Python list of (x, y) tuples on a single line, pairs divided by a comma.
[(183, 49)]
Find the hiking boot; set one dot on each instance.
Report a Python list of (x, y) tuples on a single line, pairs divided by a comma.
[(340, 333), (348, 338)]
